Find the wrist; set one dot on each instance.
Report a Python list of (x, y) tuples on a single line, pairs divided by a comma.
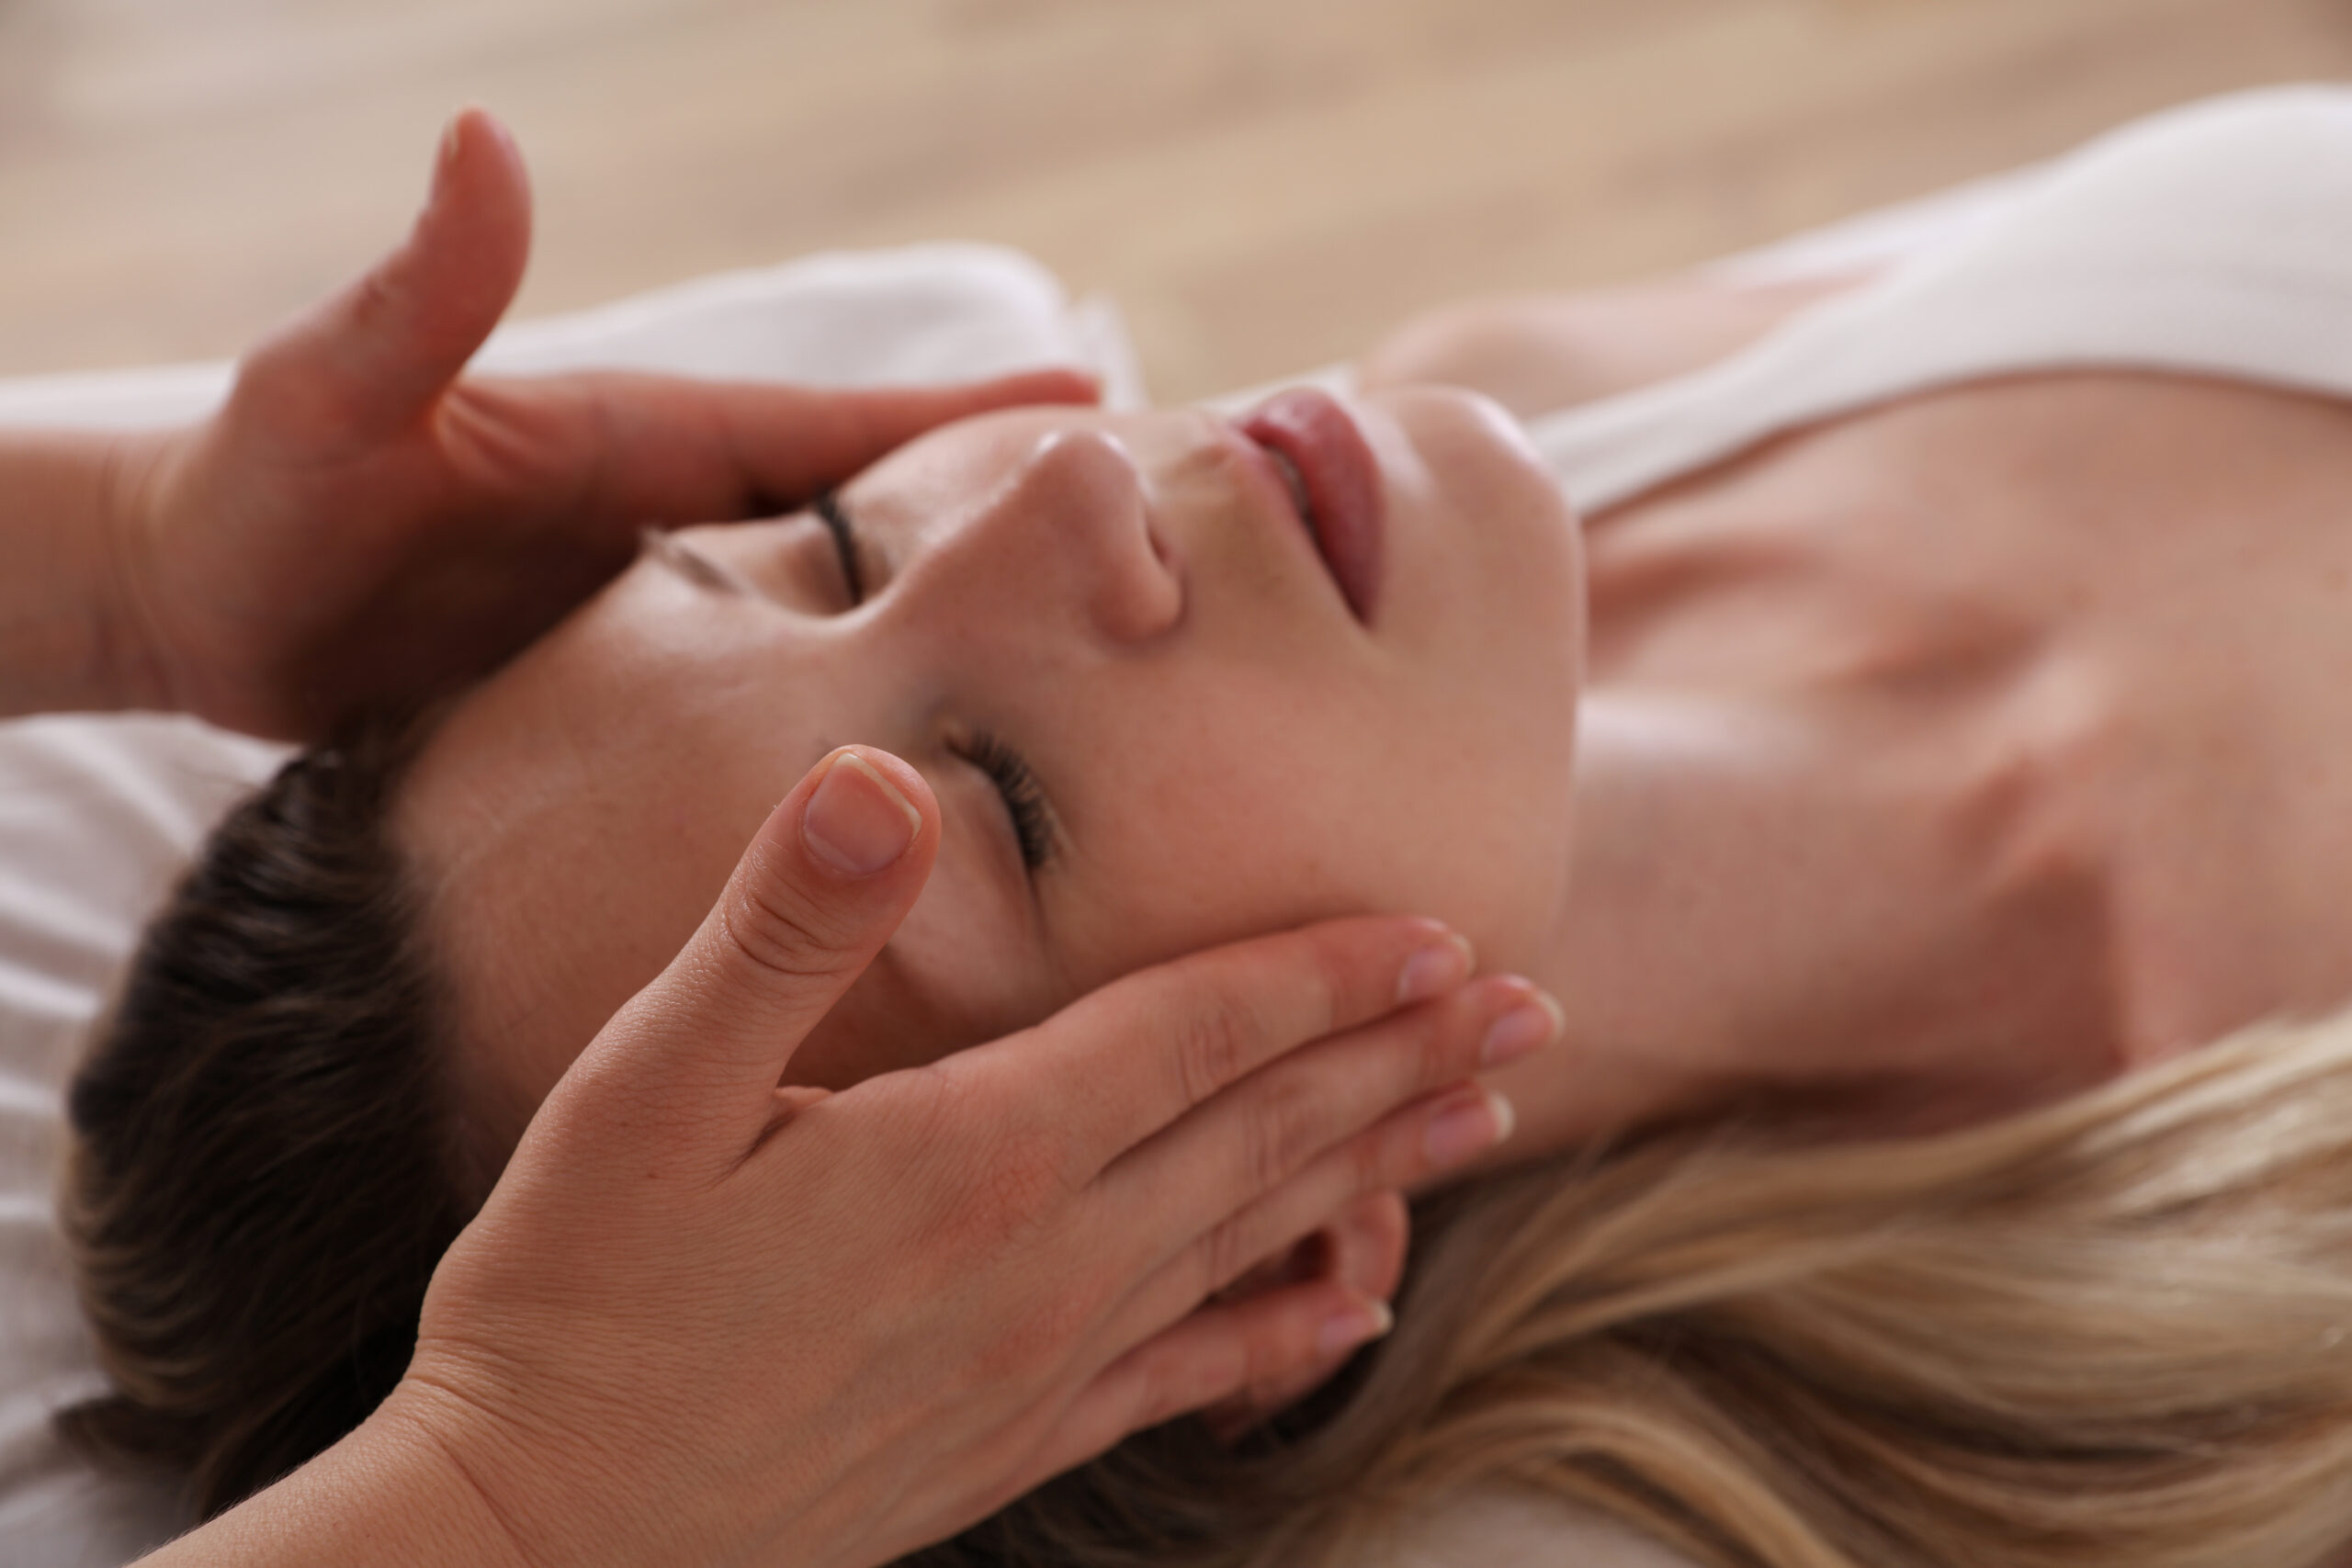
[(72, 632), (389, 1494), (516, 1495), (416, 1448), (507, 1499), (134, 669)]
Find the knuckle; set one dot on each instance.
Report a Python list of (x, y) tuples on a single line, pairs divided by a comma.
[(1009, 1354), (941, 1108), (1035, 1341), (773, 932), (1003, 1188), (1445, 1045), (1439, 1045), (1367, 1160), (1356, 963), (1335, 974), (1026, 1180), (378, 295), (1283, 1130), (1213, 1043), (1225, 1254)]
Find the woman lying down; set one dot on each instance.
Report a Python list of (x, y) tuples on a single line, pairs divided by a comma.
[(1946, 692)]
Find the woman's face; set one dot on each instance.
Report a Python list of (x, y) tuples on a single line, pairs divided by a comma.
[(1127, 620)]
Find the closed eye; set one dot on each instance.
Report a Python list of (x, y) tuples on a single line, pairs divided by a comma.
[(828, 507), (1024, 801)]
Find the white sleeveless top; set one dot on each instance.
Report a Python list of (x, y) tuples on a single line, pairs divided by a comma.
[(2215, 241)]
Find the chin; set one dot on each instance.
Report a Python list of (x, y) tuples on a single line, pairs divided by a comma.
[(1475, 448)]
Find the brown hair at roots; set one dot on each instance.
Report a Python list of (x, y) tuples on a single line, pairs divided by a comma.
[(261, 1175)]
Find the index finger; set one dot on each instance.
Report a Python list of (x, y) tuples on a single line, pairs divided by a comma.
[(802, 439), (677, 449), (1150, 1047)]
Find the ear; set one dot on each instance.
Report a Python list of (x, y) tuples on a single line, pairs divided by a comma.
[(1362, 1249)]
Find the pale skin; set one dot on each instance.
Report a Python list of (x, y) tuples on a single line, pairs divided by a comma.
[(1953, 755), (1936, 762), (1040, 1238)]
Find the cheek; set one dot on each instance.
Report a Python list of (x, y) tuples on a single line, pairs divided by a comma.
[(1489, 559), (1269, 810), (963, 967)]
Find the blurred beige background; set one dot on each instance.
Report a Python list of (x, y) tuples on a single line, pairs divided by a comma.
[(1261, 184)]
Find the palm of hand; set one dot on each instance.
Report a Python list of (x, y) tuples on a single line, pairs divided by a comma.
[(289, 575)]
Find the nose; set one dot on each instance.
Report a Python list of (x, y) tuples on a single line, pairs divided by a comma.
[(1079, 502)]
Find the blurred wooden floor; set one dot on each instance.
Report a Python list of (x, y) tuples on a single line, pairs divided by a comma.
[(1262, 184)]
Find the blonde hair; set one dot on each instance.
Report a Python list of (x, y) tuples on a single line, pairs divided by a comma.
[(2106, 1332)]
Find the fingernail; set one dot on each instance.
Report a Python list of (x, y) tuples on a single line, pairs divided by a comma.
[(1436, 969), (1522, 1031), (1467, 1128), (857, 823), (1354, 1325)]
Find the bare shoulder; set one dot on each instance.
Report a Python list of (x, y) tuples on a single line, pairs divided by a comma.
[(1535, 353)]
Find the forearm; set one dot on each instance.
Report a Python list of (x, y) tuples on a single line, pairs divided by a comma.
[(386, 1495), (67, 638)]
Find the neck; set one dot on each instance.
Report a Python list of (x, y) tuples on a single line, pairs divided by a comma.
[(1752, 908)]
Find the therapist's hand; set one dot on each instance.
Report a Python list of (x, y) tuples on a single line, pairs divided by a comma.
[(703, 1319), (361, 524)]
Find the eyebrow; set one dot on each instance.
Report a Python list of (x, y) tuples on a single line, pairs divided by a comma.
[(690, 563)]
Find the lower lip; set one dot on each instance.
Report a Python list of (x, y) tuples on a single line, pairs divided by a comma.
[(1308, 427)]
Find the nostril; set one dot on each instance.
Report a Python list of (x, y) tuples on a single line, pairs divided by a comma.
[(1086, 485)]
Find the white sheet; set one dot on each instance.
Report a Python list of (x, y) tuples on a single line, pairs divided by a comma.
[(98, 814)]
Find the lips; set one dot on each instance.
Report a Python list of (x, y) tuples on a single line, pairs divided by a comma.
[(1336, 481)]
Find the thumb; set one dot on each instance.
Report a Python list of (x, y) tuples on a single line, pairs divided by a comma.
[(822, 888), (375, 357)]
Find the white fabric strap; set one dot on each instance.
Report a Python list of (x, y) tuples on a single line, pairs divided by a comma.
[(2215, 240)]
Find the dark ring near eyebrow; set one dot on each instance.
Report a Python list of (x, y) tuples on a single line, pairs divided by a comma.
[(827, 506)]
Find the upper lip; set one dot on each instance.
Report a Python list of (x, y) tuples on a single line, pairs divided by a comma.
[(1279, 495), (1314, 459)]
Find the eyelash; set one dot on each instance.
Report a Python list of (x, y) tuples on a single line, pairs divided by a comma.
[(1024, 802), (828, 508)]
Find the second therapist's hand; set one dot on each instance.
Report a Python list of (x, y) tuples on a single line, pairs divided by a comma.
[(362, 524), (704, 1319)]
